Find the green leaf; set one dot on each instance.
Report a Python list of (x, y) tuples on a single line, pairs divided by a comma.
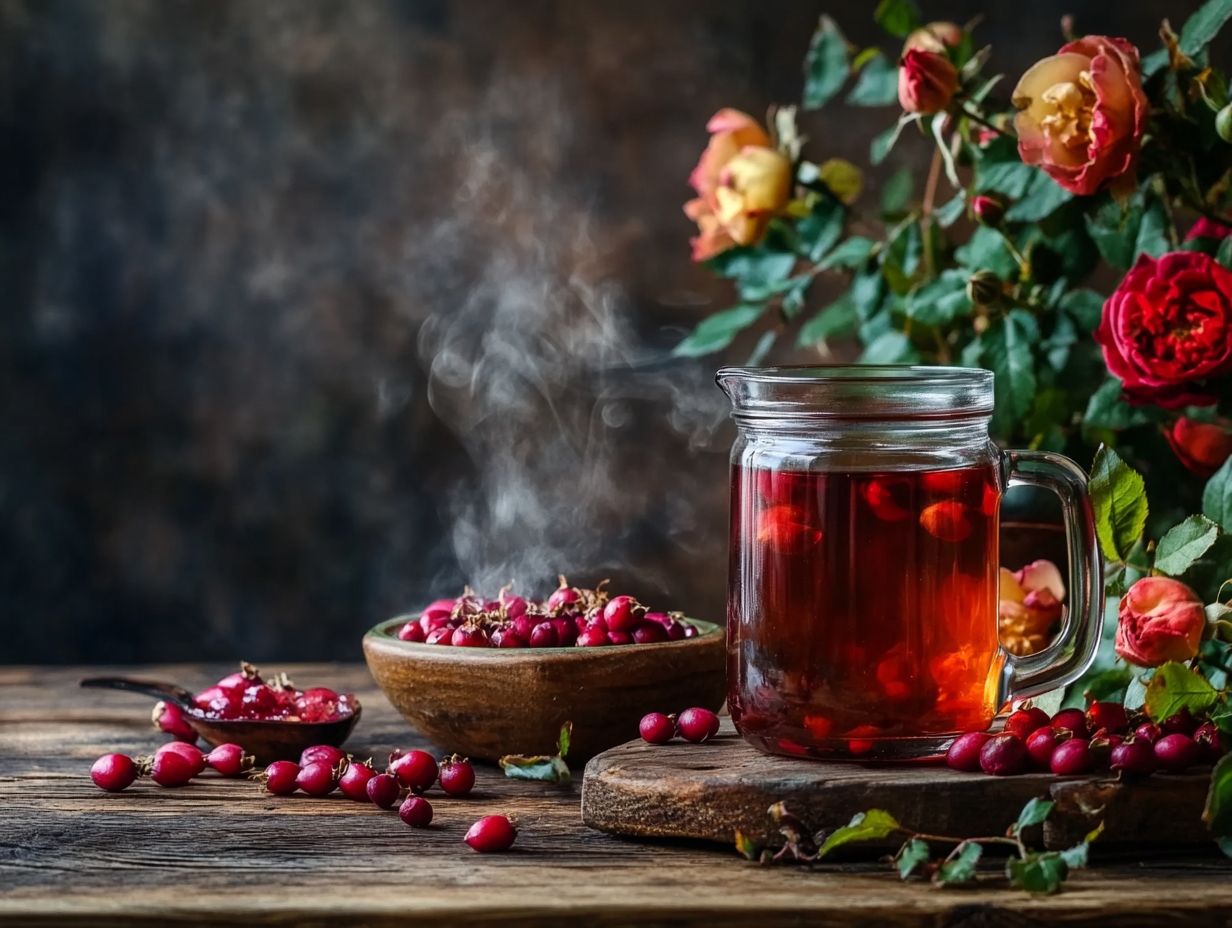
[(960, 866), (821, 228), (756, 265), (986, 251), (1175, 687), (1217, 497), (716, 332), (564, 739), (1217, 815), (1009, 178), (1152, 238), (1106, 685), (911, 856), (1107, 410), (1204, 25), (1224, 254), (1033, 813), (1042, 198), (745, 846), (890, 348), (1121, 232), (849, 254), (872, 825), (897, 17), (1183, 544), (877, 84), (825, 65), (839, 318), (896, 193), (1086, 306), (1037, 873), (539, 767), (881, 144), (1118, 496), (939, 302), (949, 212), (1007, 353)]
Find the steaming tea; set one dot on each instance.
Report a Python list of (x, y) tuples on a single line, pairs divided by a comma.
[(862, 607)]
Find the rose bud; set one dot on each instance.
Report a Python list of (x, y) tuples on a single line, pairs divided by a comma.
[(1082, 112), (984, 288), (927, 81), (1201, 446), (988, 211), (1160, 620)]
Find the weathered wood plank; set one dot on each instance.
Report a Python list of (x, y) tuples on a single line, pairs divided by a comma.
[(709, 791), (222, 853)]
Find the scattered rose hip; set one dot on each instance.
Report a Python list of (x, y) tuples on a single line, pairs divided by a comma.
[(169, 717), (1074, 742), (570, 617), (457, 776), (696, 725), (415, 770), (384, 790), (491, 834), (280, 776), (416, 811), (247, 695), (114, 772)]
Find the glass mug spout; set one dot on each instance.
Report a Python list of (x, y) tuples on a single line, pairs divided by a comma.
[(864, 570)]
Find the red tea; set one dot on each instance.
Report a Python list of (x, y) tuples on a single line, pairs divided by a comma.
[(862, 608)]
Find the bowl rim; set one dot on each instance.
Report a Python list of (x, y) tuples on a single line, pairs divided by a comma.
[(381, 632)]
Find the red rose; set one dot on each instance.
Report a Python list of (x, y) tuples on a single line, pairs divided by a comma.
[(1208, 228), (1167, 330), (1082, 112), (927, 81), (1160, 620), (1201, 446)]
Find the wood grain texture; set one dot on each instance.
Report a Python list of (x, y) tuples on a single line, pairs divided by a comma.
[(708, 791), (488, 702), (223, 853)]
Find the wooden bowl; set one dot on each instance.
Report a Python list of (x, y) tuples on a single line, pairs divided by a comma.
[(486, 702)]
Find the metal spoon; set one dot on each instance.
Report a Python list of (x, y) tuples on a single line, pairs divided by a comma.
[(267, 739)]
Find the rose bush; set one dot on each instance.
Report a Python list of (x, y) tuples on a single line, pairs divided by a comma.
[(1166, 332), (742, 182), (1159, 620), (1082, 112)]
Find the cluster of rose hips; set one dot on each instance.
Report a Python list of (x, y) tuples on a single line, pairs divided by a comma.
[(571, 616), (324, 768), (696, 725), (246, 695), (173, 764), (1074, 742)]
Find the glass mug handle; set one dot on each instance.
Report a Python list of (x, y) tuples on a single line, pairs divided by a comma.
[(1067, 658)]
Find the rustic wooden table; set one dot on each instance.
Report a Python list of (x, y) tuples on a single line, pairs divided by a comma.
[(222, 852)]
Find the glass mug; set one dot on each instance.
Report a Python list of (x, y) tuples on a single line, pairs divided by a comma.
[(863, 586)]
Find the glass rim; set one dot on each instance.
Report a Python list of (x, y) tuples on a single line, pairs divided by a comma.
[(858, 391)]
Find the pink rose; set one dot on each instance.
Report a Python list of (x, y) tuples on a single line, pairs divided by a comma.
[(927, 81), (1081, 113), (742, 182), (1160, 620), (1031, 602), (1201, 446)]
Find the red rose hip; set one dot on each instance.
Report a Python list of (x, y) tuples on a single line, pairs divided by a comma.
[(1210, 742), (190, 753), (964, 752), (1071, 720), (457, 776), (317, 778), (354, 781), (1041, 744), (325, 753), (169, 717), (1023, 722), (1071, 758), (1135, 758), (416, 812), (1148, 732), (415, 770), (697, 725), (170, 768), (1176, 752), (279, 777), (383, 790), (1003, 756), (229, 760), (1107, 715), (491, 834), (656, 728), (113, 772)]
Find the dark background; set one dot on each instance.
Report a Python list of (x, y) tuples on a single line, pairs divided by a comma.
[(314, 310)]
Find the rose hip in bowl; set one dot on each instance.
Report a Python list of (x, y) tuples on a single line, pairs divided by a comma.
[(247, 696)]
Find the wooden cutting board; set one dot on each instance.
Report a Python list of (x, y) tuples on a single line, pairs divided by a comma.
[(708, 791)]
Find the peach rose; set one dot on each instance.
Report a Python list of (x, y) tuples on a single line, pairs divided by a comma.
[(742, 182), (1081, 113), (1160, 620), (927, 81), (1030, 604), (935, 37)]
